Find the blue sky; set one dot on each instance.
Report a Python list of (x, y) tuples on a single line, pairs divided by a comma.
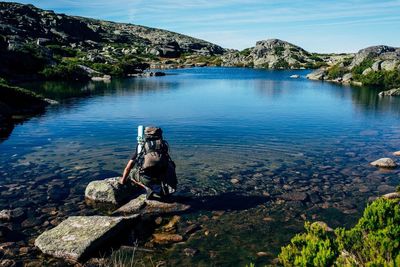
[(317, 26)]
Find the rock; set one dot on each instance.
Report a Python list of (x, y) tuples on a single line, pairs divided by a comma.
[(392, 92), (104, 78), (318, 74), (143, 206), (109, 191), (384, 163), (376, 66), (295, 76), (393, 195), (295, 196), (366, 71), (164, 238), (171, 225), (191, 229), (79, 236), (397, 153), (235, 181), (190, 252), (389, 65), (9, 215), (263, 254), (31, 222), (7, 263), (347, 78)]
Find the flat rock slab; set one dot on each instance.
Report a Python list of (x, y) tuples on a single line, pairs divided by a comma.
[(384, 163), (109, 191), (141, 205), (79, 236)]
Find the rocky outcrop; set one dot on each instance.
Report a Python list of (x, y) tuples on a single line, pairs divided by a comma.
[(384, 163), (392, 92), (275, 54), (79, 236), (109, 191), (368, 66), (319, 74)]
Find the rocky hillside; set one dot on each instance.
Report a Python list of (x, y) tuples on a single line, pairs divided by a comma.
[(278, 54), (32, 39), (377, 66)]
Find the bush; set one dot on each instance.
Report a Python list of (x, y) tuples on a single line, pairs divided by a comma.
[(64, 71), (365, 64), (336, 71), (382, 79), (281, 64), (278, 50), (374, 241), (316, 247), (62, 51)]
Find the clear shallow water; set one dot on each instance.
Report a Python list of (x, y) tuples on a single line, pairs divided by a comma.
[(277, 136)]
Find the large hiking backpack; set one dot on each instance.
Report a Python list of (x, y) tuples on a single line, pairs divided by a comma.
[(154, 155)]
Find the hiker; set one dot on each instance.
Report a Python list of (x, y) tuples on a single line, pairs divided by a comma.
[(151, 165)]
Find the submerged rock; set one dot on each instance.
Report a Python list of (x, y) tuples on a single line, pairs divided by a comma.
[(109, 191), (79, 236), (143, 206), (384, 163), (164, 238), (15, 214)]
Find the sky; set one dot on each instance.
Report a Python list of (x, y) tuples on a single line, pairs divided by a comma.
[(318, 26)]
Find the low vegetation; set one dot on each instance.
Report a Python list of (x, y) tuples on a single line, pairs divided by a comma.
[(373, 241), (16, 100)]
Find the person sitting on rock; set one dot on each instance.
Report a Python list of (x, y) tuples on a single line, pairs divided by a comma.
[(152, 166)]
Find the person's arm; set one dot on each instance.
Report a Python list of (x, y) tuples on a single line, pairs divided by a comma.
[(127, 169)]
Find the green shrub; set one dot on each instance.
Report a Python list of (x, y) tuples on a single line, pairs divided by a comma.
[(62, 51), (245, 52), (336, 71), (316, 58), (374, 241), (64, 71), (382, 79), (365, 64), (316, 247), (278, 50), (281, 64)]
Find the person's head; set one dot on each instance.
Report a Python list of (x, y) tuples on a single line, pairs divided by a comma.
[(152, 131)]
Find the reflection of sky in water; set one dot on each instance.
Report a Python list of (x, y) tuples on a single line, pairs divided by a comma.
[(222, 108)]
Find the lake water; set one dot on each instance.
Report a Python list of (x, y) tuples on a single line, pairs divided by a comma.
[(298, 150)]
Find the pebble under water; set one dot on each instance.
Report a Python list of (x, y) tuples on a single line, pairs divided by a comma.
[(261, 152)]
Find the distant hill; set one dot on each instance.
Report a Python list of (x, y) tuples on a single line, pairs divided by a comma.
[(32, 38), (278, 54)]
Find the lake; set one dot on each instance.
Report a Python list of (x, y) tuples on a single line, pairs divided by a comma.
[(265, 152)]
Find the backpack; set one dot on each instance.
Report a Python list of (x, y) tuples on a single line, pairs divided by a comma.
[(154, 155)]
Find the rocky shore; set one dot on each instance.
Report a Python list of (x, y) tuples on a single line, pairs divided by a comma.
[(377, 66)]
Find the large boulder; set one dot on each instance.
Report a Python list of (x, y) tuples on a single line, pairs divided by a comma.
[(143, 206), (384, 163), (79, 236), (109, 191), (318, 74)]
